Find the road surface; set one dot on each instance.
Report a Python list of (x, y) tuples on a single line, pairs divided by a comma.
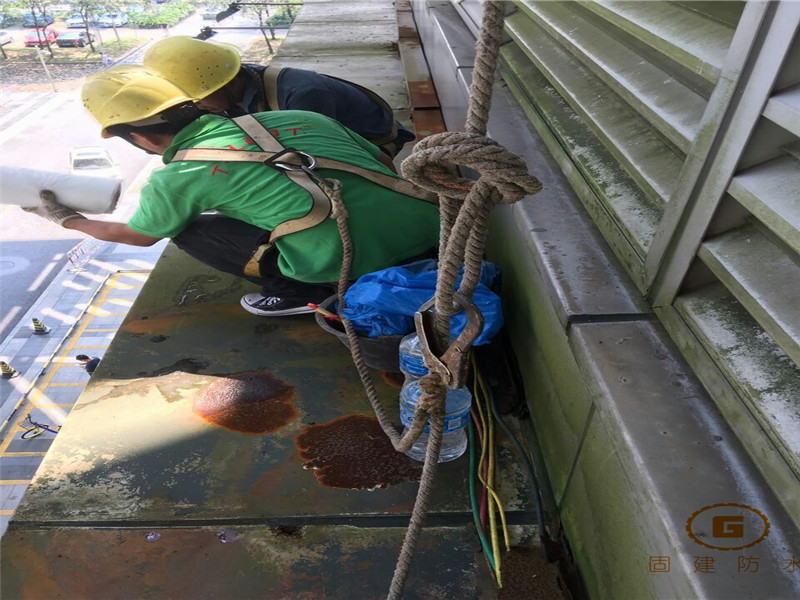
[(37, 131)]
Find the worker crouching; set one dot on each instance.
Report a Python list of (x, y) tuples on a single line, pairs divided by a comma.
[(268, 214)]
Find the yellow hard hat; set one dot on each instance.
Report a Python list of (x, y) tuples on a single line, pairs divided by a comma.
[(196, 66), (129, 94)]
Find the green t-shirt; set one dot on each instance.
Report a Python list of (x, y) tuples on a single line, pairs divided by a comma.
[(386, 227)]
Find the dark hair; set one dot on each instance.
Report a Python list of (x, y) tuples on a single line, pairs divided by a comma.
[(177, 117), (81, 357)]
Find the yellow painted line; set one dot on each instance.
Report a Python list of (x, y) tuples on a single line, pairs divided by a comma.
[(5, 513), (41, 385), (100, 330), (42, 406), (14, 481), (15, 454), (90, 347), (66, 384), (120, 286)]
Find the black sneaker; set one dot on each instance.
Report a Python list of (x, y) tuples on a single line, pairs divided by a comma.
[(272, 306)]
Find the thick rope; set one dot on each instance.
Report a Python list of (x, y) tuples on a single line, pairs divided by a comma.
[(427, 404), (464, 210)]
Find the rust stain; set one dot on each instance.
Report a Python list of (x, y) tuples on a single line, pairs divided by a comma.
[(247, 402), (288, 530), (428, 122), (407, 31), (422, 94), (353, 453), (406, 26), (527, 575), (393, 379)]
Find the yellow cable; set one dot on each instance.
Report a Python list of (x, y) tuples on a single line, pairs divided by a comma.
[(506, 536), (494, 499), (484, 450)]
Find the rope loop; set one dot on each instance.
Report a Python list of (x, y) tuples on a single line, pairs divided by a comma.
[(498, 167), (432, 396)]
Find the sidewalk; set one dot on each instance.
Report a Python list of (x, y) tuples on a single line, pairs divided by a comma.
[(83, 308)]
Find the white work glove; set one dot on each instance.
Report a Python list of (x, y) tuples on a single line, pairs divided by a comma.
[(51, 210)]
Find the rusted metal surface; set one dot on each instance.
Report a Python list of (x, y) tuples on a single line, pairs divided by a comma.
[(421, 90), (406, 26), (393, 379), (134, 448), (251, 402), (353, 453), (428, 122), (239, 562)]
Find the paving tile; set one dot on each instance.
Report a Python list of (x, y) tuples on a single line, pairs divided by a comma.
[(18, 467), (10, 495), (70, 374), (37, 444), (63, 395), (4, 519)]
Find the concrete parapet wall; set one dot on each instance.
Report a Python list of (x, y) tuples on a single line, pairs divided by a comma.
[(633, 444)]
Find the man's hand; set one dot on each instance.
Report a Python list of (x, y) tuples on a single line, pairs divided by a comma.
[(51, 210)]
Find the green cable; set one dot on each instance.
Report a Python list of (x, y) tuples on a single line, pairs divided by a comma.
[(534, 482), (473, 500)]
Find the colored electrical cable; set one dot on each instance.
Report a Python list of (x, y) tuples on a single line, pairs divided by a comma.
[(494, 499), (534, 481), (487, 477), (484, 390), (474, 501), (481, 466)]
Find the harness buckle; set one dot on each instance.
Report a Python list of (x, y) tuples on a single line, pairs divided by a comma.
[(307, 161), (452, 365)]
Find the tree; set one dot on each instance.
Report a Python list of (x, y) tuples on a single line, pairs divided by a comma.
[(268, 19), (37, 8), (263, 21), (88, 9)]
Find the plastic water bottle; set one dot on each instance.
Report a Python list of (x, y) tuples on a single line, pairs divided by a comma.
[(411, 363), (454, 438)]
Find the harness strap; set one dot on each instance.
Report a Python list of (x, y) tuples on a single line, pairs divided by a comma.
[(258, 133), (271, 75), (385, 140), (321, 204), (396, 184)]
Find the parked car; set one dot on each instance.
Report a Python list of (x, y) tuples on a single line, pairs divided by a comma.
[(38, 37), (28, 20), (211, 11), (5, 38), (72, 39), (94, 161), (112, 20), (75, 22)]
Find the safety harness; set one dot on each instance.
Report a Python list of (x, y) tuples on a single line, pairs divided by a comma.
[(382, 140), (300, 167)]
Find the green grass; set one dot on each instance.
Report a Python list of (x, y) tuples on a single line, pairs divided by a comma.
[(113, 50), (258, 53)]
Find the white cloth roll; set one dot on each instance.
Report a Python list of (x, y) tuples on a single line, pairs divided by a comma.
[(95, 195)]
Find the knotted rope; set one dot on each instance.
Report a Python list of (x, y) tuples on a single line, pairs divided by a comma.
[(464, 211)]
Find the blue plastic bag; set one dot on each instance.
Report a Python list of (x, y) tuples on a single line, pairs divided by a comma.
[(384, 302)]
